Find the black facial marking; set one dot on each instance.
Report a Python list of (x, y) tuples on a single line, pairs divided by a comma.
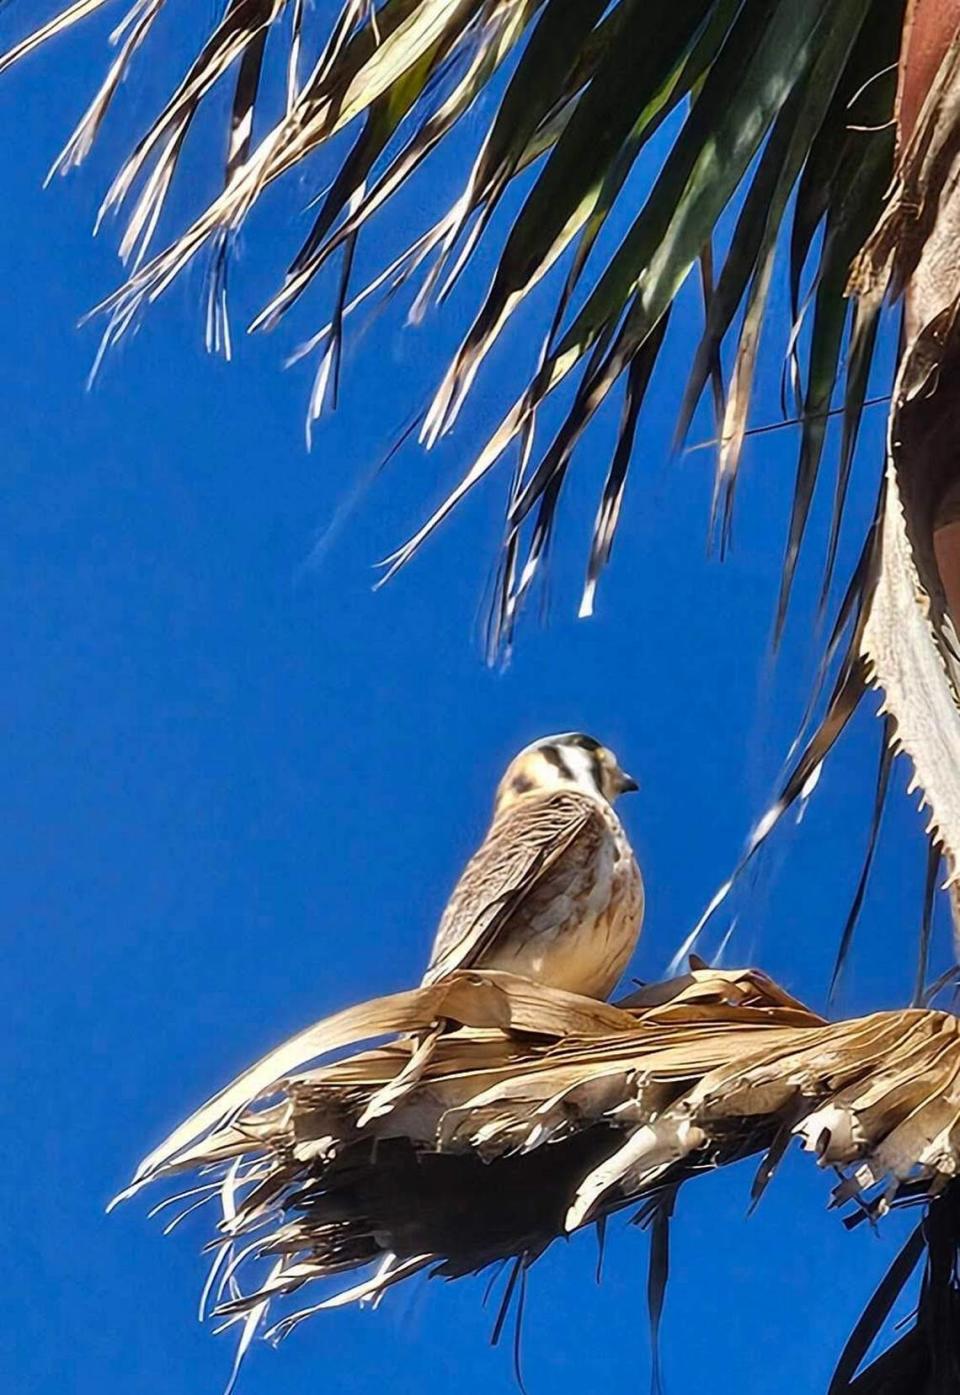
[(586, 743), (581, 742), (555, 758), (593, 749), (521, 784)]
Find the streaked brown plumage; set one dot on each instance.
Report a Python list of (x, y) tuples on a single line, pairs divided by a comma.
[(554, 892)]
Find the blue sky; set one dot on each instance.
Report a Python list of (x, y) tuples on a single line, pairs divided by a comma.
[(240, 784)]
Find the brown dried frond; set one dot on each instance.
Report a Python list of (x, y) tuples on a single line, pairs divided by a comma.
[(540, 1111)]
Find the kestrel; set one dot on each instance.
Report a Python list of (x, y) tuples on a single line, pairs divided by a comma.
[(554, 891)]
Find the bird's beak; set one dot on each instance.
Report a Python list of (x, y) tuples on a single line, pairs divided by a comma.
[(626, 784)]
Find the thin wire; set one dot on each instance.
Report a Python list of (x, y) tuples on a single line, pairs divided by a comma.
[(790, 421)]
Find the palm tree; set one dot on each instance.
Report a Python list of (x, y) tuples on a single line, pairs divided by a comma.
[(828, 124)]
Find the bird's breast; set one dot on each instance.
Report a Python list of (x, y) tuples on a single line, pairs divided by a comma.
[(577, 929)]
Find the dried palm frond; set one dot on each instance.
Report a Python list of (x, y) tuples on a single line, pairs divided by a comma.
[(539, 1112)]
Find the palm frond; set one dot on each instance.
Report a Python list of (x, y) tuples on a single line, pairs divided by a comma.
[(895, 629), (767, 96), (784, 125), (542, 1112)]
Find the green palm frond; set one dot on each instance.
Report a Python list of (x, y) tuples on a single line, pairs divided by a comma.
[(782, 134), (770, 99), (553, 1111)]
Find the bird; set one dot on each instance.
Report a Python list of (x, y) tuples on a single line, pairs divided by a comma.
[(554, 892)]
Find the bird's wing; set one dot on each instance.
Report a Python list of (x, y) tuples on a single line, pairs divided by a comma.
[(519, 850)]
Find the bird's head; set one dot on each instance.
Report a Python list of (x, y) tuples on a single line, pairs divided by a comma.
[(568, 761)]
